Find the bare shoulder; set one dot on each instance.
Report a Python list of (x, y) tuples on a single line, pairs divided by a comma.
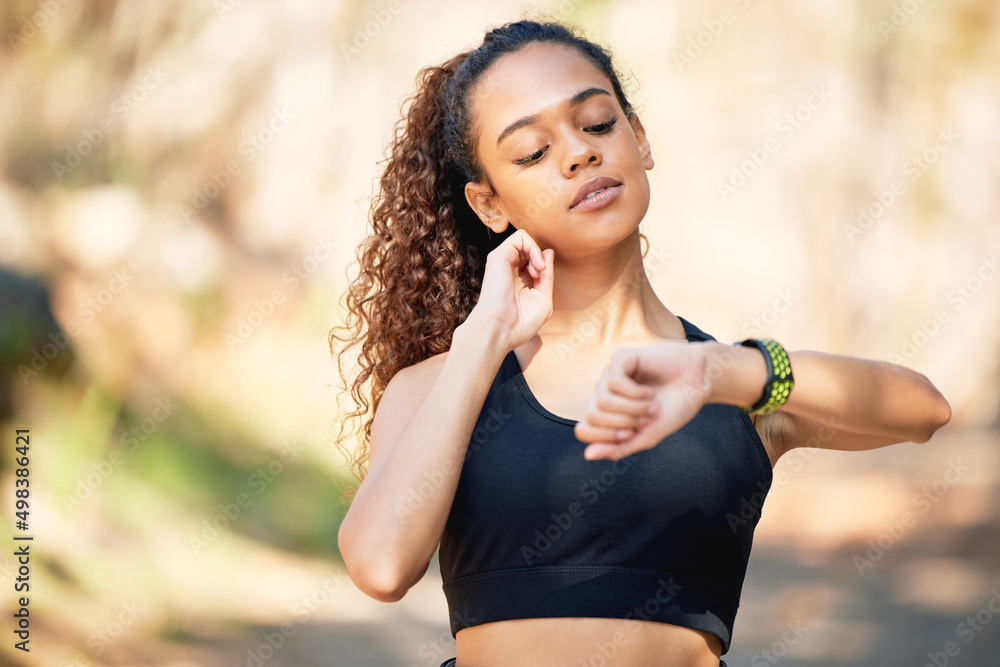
[(421, 373), (400, 401)]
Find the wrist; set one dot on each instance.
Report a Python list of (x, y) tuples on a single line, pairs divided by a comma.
[(735, 374), (481, 333)]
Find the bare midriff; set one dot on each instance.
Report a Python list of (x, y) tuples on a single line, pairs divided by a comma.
[(583, 642)]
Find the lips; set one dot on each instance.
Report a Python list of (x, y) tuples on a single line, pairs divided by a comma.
[(593, 185)]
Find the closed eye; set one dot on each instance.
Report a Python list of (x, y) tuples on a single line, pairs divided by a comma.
[(534, 157), (600, 128)]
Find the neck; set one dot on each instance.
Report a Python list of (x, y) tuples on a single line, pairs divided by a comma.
[(606, 301)]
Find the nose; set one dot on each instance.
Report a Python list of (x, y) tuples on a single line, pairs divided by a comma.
[(580, 151)]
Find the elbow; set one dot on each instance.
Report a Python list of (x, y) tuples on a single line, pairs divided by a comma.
[(383, 589), (944, 412), (938, 415), (369, 576)]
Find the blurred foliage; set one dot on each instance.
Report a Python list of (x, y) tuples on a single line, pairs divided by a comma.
[(183, 184)]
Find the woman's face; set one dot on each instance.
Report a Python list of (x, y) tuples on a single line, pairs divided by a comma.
[(545, 122)]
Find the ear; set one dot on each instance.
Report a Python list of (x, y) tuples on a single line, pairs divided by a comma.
[(640, 137), (483, 201)]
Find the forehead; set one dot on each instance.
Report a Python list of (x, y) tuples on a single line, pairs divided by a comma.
[(528, 81)]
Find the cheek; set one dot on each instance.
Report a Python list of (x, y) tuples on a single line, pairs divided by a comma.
[(532, 201), (642, 193), (543, 200)]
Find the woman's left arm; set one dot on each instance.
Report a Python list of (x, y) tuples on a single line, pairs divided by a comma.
[(837, 402)]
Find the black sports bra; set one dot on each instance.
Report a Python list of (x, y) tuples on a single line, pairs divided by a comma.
[(663, 535)]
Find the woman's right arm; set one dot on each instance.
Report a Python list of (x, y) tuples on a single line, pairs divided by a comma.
[(424, 422)]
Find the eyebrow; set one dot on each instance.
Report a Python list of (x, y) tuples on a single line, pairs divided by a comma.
[(576, 100)]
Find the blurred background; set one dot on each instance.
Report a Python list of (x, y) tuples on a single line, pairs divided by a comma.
[(183, 185)]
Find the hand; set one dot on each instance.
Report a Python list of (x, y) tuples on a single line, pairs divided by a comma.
[(516, 294), (644, 395)]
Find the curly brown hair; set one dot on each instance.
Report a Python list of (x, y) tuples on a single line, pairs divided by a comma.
[(421, 266)]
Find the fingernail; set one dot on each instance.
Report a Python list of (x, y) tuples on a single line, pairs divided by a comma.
[(653, 407)]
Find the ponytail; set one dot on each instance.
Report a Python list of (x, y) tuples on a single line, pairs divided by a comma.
[(421, 267), (419, 272)]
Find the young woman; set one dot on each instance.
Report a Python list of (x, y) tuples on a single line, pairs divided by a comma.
[(591, 464)]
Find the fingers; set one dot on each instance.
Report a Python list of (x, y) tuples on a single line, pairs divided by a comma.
[(545, 278), (610, 399), (677, 409), (586, 432), (619, 376), (533, 261), (603, 450), (521, 253), (528, 250), (509, 252), (610, 451), (527, 245), (619, 406), (621, 443), (614, 411)]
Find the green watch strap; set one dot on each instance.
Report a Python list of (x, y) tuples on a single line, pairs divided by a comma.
[(779, 376)]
